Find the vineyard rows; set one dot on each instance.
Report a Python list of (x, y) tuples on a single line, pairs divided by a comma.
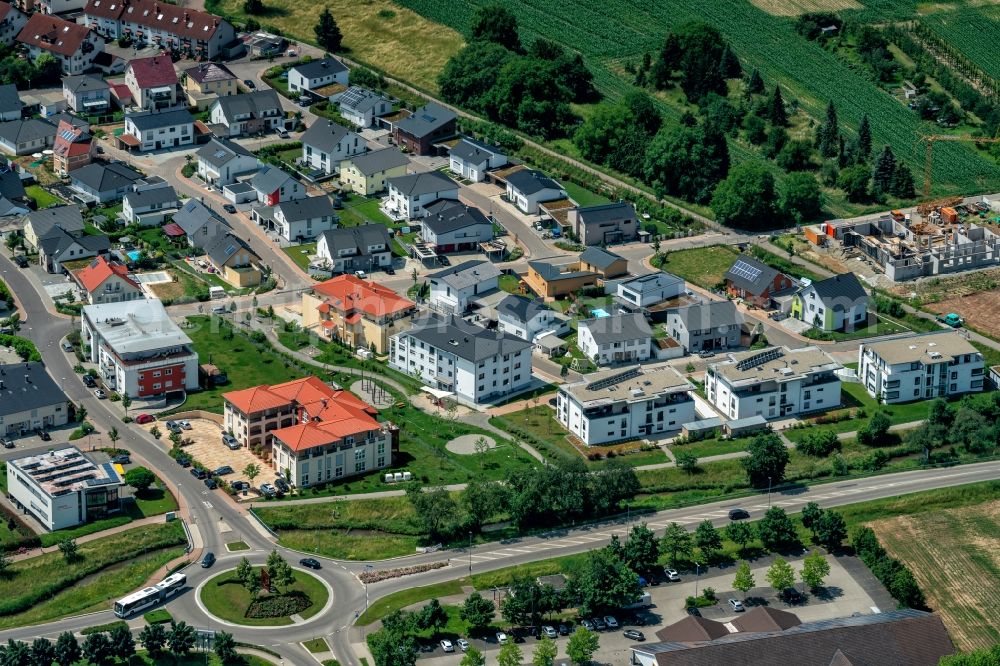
[(975, 31)]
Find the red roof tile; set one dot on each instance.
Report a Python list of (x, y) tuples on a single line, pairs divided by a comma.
[(173, 230), (53, 34), (99, 270), (350, 294), (153, 72), (71, 141), (184, 22)]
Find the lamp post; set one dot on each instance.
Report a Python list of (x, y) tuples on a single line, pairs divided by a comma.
[(697, 575), (768, 492), (470, 552)]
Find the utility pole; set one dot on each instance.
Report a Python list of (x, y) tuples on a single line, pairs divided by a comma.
[(768, 492)]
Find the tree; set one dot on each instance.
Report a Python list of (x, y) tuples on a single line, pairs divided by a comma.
[(509, 655), (251, 471), (582, 645), (69, 550), (253, 7), (811, 514), (391, 648), (983, 657), (819, 443), (801, 197), (4, 558), (612, 485), (864, 138), (744, 581), (225, 647), (828, 135), (482, 500), (687, 162), (97, 648), (882, 172), (328, 32), (477, 611), (180, 638), (687, 461), (708, 539), (244, 571), (815, 569), (278, 570), (42, 652), (496, 24), (902, 183), (126, 402), (795, 156), (140, 478), (602, 581), (153, 637), (780, 575), (746, 199), (545, 652), (432, 616), (122, 643), (854, 181), (776, 530), (676, 543), (468, 78), (114, 437), (830, 530), (740, 533), (729, 64), (765, 466), (67, 649), (473, 657), (755, 83), (875, 432), (641, 549), (436, 510), (776, 108)]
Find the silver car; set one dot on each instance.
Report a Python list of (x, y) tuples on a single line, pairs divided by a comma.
[(550, 631)]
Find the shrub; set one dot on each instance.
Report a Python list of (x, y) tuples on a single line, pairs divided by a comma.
[(891, 572), (102, 628), (279, 605)]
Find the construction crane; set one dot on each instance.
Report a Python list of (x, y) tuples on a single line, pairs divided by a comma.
[(931, 138)]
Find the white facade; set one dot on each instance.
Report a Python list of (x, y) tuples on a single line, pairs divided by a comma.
[(774, 383), (88, 101), (11, 24), (625, 404), (155, 138), (226, 174), (409, 206), (365, 116), (453, 292), (328, 158), (528, 202), (351, 456), (298, 81), (302, 228), (472, 160), (77, 63), (651, 289), (921, 367), (538, 322), (624, 346)]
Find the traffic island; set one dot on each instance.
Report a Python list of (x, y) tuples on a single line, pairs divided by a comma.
[(233, 601)]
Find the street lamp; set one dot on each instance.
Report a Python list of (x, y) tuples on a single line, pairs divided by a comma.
[(697, 575), (768, 492), (470, 553)]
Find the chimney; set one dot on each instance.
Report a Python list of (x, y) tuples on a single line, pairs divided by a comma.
[(185, 17)]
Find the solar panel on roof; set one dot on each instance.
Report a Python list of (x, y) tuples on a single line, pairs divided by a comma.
[(745, 270), (67, 134), (230, 249)]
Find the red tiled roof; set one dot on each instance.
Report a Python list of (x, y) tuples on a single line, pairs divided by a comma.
[(189, 23), (173, 230), (353, 318), (53, 34), (99, 270), (349, 293), (121, 91), (4, 10), (327, 324), (71, 141), (153, 72)]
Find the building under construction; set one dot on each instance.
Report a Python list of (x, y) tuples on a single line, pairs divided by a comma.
[(935, 240)]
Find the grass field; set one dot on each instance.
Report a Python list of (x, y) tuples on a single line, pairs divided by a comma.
[(225, 597), (300, 254), (704, 266), (583, 196), (358, 211), (953, 552), (42, 196)]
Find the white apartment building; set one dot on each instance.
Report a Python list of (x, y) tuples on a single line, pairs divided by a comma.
[(921, 367), (63, 488), (773, 383), (452, 355), (408, 195), (153, 130), (453, 288), (625, 403), (622, 338)]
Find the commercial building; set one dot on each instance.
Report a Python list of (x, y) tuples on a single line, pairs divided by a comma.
[(358, 313), (29, 399), (316, 432), (450, 354), (625, 403), (773, 383), (63, 488), (138, 349), (920, 367)]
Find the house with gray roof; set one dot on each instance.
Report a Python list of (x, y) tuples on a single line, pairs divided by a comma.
[(149, 206), (39, 223), (429, 125), (474, 364), (361, 107), (527, 188), (29, 399), (199, 223), (26, 136), (621, 338), (220, 161), (10, 103), (86, 94), (247, 114), (158, 129), (274, 186), (649, 290), (838, 303), (529, 319), (300, 220), (604, 224), (408, 195), (706, 326), (454, 288), (755, 282), (326, 144), (13, 198), (98, 182), (234, 260), (603, 262), (364, 248), (59, 246), (471, 159), (369, 173), (451, 226), (308, 76)]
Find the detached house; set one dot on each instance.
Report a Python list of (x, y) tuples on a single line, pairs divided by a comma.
[(838, 303), (73, 46), (12, 20), (23, 137), (454, 288), (40, 222), (86, 94), (234, 260), (358, 313), (451, 226), (207, 81), (108, 282), (430, 124), (199, 223), (363, 248), (623, 338), (408, 195), (10, 102), (153, 130), (149, 206), (605, 263), (649, 290), (706, 327), (604, 224), (220, 161), (527, 188), (59, 246), (152, 82), (755, 282), (274, 186), (315, 74), (298, 220), (368, 173), (361, 107), (553, 278), (249, 113), (101, 183), (529, 319), (471, 159), (73, 148), (326, 144)]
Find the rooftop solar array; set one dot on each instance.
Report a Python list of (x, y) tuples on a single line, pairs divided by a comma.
[(744, 270)]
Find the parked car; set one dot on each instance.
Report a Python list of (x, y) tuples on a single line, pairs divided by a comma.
[(304, 101), (599, 624), (208, 560), (361, 275), (8, 443), (705, 353), (671, 575), (186, 425), (444, 261), (447, 645), (122, 459), (142, 419), (267, 490), (222, 471), (502, 638), (310, 563), (463, 644), (211, 483), (282, 485), (389, 270), (229, 208), (587, 624), (282, 134), (736, 605), (21, 261), (183, 461), (634, 634), (100, 394), (67, 346), (563, 630), (239, 485), (249, 84), (219, 309), (611, 621), (199, 473), (738, 514), (550, 631), (230, 441), (43, 434), (89, 381), (643, 582)]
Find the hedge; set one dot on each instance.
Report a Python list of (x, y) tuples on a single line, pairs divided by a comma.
[(280, 606), (891, 572)]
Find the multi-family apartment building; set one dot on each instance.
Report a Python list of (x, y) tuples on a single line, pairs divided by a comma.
[(920, 367), (358, 313), (71, 44), (29, 399), (165, 25)]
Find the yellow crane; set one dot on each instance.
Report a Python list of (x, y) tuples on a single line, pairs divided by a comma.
[(929, 139)]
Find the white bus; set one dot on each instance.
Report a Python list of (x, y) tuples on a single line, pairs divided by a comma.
[(150, 596)]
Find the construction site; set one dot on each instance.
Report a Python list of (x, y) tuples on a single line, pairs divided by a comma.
[(937, 238)]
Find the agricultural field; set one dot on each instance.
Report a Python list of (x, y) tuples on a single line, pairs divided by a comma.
[(951, 552), (974, 30)]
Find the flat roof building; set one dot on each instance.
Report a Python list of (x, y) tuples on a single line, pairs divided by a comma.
[(921, 367)]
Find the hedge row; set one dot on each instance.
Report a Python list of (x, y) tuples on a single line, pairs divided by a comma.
[(279, 605), (891, 572)]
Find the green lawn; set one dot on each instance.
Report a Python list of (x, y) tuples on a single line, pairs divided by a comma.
[(43, 198), (234, 546), (300, 254), (509, 283), (711, 447), (316, 645), (876, 325), (703, 266), (225, 597), (582, 196), (360, 210)]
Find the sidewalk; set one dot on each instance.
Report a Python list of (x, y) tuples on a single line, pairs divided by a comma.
[(135, 524)]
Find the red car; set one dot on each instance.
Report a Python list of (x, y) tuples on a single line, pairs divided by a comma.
[(144, 418)]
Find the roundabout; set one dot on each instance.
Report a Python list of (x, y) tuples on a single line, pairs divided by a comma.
[(226, 600)]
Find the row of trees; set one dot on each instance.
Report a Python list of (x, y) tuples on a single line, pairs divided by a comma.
[(781, 576), (279, 572)]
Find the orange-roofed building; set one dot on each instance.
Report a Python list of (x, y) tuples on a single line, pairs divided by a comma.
[(73, 148), (316, 432), (108, 282), (356, 312)]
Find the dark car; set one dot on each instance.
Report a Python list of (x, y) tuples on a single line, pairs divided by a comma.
[(222, 471), (21, 261), (208, 560), (199, 473), (389, 270), (89, 381), (282, 485), (563, 630), (211, 483), (249, 84), (239, 485), (444, 261), (229, 208), (44, 435), (121, 460), (183, 461), (310, 563), (634, 634), (738, 514)]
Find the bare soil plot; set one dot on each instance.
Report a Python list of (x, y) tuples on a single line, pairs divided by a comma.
[(955, 556), (978, 309), (797, 7)]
